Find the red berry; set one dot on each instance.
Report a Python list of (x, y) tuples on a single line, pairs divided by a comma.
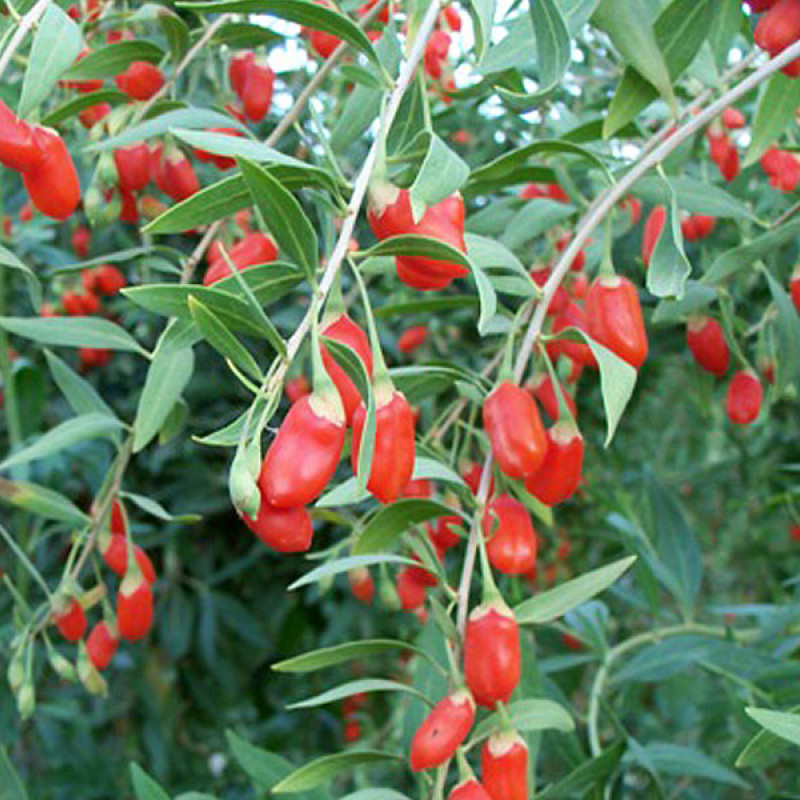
[(560, 297), (472, 477), (256, 93), (393, 455), (134, 608), (133, 167), (745, 394), (732, 118), (469, 790), (175, 175), (80, 240), (297, 388), (573, 316), (443, 731), (253, 249), (344, 330), (504, 766), (362, 585), (305, 453), (389, 214), (652, 231), (615, 318), (544, 391), (71, 622), (778, 29), (101, 645), (411, 588), (492, 653), (140, 81), (707, 344), (515, 430), (782, 168), (412, 339), (510, 538), (109, 280), (794, 287), (698, 226), (560, 473), (287, 530), (53, 183), (89, 117)]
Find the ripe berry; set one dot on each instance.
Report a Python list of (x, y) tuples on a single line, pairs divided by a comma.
[(393, 454), (558, 477), (707, 344), (134, 608), (615, 318), (411, 588), (515, 430), (287, 530), (573, 316), (782, 168), (794, 287), (175, 175), (133, 167), (140, 81), (778, 29), (344, 330), (745, 394), (443, 731), (510, 538), (504, 766), (698, 226), (469, 790), (109, 280), (101, 645), (412, 339), (80, 240), (253, 249), (362, 585), (305, 453), (297, 388), (492, 653), (652, 231), (71, 621), (53, 183), (733, 119), (561, 296), (543, 390)]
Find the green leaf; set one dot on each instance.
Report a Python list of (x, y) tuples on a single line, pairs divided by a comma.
[(295, 234), (553, 48), (696, 197), (412, 245), (788, 330), (72, 332), (41, 501), (442, 173), (673, 759), (779, 98), (144, 786), (324, 770), (268, 283), (79, 393), (505, 168), (168, 375), (432, 469), (176, 32), (222, 340), (56, 44), (342, 653), (155, 509), (531, 714), (8, 259), (382, 530), (554, 603), (669, 268), (114, 59), (243, 35), (265, 769), (316, 17), (77, 429), (376, 794), (780, 729), (747, 255), (696, 297), (628, 24), (336, 567), (680, 31), (10, 783), (73, 106), (225, 144), (157, 126), (365, 686), (589, 774), (482, 13), (533, 219)]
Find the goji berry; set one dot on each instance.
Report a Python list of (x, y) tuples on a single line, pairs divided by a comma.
[(706, 341), (443, 731), (558, 477), (510, 538), (504, 766), (615, 318), (745, 394), (287, 530)]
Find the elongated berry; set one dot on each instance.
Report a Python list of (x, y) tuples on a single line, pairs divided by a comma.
[(510, 538), (469, 790), (101, 645), (706, 341), (615, 318), (492, 653), (504, 766), (134, 608), (71, 621), (745, 394), (560, 472), (443, 731), (287, 530)]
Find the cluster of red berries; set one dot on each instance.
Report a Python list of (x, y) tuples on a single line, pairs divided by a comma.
[(437, 50), (105, 280), (134, 607), (721, 149), (252, 80), (778, 29)]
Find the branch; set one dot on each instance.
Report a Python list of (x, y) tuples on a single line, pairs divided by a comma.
[(28, 21), (606, 202)]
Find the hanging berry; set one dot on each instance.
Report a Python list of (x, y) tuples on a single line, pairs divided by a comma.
[(515, 430), (71, 620), (504, 766), (443, 731), (134, 607), (745, 394), (510, 538), (707, 344), (469, 790), (101, 645), (560, 473), (615, 318), (492, 653), (652, 232), (140, 81), (287, 530)]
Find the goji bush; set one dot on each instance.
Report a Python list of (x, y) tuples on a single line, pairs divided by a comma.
[(399, 399)]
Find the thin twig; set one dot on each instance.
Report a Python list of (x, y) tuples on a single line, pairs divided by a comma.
[(193, 51), (28, 21)]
